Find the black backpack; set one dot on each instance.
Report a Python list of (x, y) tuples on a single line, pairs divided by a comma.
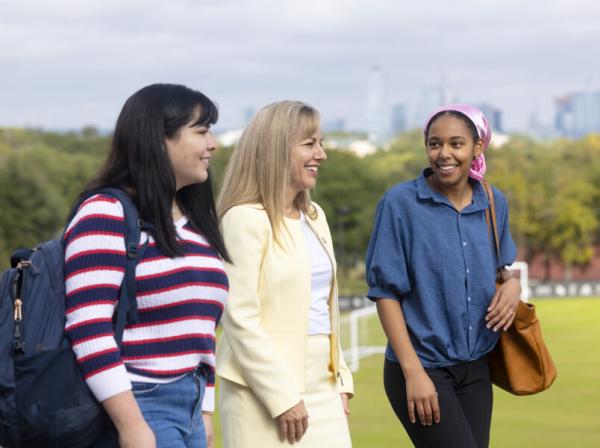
[(44, 401)]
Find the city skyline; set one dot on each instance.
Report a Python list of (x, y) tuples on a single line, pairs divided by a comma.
[(68, 64)]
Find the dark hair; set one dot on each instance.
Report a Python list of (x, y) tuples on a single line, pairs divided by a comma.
[(470, 125), (138, 162)]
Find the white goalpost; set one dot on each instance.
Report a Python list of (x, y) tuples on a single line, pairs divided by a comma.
[(523, 270), (358, 322), (357, 351)]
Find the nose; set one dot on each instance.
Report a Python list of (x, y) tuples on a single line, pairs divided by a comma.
[(320, 153), (211, 141), (445, 151)]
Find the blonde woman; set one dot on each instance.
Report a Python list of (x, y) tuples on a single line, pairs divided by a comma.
[(283, 377)]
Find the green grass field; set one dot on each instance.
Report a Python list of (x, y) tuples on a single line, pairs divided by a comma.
[(567, 415)]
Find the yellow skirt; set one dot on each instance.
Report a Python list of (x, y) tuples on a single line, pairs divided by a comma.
[(245, 422)]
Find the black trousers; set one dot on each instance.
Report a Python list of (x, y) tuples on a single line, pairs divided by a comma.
[(465, 398)]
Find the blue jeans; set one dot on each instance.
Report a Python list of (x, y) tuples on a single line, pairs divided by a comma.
[(172, 410)]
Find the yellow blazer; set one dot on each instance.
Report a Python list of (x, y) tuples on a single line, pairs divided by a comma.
[(265, 322)]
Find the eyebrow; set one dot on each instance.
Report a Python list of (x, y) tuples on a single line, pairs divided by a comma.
[(199, 125), (454, 137)]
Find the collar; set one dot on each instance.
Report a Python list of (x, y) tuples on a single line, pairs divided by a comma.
[(424, 192)]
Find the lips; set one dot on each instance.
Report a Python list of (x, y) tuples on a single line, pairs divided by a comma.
[(312, 168)]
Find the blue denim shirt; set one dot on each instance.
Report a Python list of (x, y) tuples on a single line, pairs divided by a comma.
[(441, 265)]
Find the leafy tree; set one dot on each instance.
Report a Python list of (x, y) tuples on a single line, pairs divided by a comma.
[(217, 166), (553, 190), (38, 184), (348, 192)]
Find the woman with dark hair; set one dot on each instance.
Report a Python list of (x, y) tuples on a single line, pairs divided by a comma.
[(158, 387), (430, 268)]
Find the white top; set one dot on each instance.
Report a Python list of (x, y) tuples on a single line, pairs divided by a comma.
[(318, 319)]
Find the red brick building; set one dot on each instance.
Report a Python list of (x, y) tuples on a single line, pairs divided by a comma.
[(555, 271)]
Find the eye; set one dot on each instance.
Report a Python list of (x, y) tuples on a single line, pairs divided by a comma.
[(433, 145), (457, 144)]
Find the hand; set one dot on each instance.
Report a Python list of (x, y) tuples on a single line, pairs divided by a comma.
[(137, 436), (208, 429), (422, 397), (345, 405), (293, 423), (125, 413), (502, 309)]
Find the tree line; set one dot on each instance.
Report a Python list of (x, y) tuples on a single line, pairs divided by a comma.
[(553, 189)]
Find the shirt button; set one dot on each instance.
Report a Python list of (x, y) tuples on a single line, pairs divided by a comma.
[(464, 243), (470, 328), (468, 299), (468, 270)]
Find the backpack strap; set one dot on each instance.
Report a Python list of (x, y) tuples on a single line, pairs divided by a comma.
[(127, 308), (20, 255)]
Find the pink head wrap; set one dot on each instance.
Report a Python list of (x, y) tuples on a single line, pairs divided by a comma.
[(478, 166)]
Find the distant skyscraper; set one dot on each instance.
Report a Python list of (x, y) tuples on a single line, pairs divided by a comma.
[(431, 98), (377, 110), (563, 116), (399, 118), (494, 116), (578, 114)]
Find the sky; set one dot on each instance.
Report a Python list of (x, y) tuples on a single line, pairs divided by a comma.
[(65, 64)]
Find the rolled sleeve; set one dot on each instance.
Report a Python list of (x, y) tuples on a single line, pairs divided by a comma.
[(386, 267)]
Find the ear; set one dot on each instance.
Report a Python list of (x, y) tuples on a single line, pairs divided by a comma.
[(478, 149)]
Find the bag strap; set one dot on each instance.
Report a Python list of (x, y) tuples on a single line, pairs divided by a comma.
[(127, 308), (491, 221)]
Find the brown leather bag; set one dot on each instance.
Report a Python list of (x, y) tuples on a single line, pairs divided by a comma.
[(520, 363)]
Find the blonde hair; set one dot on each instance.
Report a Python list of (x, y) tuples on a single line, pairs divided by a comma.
[(259, 168)]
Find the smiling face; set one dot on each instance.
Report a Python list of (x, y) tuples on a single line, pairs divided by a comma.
[(451, 149), (190, 152), (305, 158)]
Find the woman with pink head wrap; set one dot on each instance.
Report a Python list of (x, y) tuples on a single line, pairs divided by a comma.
[(431, 269), (478, 125)]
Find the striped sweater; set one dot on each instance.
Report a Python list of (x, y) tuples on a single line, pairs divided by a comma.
[(180, 301)]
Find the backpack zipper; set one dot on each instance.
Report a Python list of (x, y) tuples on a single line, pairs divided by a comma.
[(18, 303), (18, 317), (19, 346)]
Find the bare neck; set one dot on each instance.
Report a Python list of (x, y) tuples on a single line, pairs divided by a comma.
[(459, 195), (289, 208)]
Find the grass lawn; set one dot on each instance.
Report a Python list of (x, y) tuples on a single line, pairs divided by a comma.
[(567, 415)]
